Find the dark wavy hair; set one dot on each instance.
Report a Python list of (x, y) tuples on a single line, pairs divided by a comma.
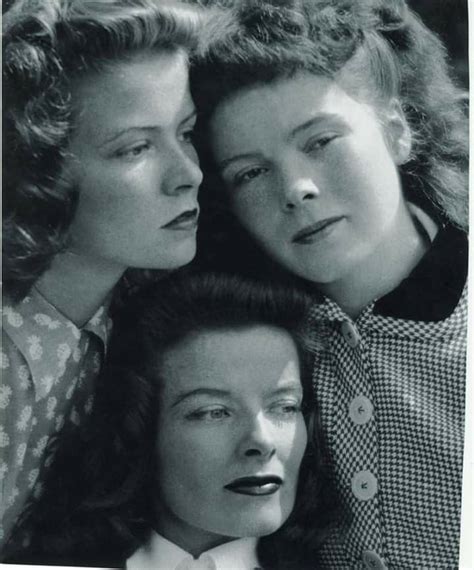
[(46, 45), (384, 51), (99, 510)]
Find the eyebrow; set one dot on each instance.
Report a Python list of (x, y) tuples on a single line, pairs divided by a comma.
[(225, 163), (290, 387), (200, 392), (115, 135), (286, 388), (312, 122)]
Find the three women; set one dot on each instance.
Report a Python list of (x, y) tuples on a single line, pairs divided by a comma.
[(340, 147)]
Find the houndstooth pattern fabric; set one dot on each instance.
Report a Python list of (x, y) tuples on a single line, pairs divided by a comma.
[(391, 394)]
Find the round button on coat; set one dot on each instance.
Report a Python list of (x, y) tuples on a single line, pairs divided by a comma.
[(373, 561), (350, 333), (364, 485), (361, 410)]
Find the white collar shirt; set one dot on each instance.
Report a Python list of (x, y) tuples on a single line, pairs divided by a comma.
[(158, 553)]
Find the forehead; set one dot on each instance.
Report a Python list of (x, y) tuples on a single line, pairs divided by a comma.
[(154, 83), (282, 105), (256, 357)]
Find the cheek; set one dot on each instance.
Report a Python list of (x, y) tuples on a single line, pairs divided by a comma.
[(190, 459), (109, 200), (371, 161), (257, 212), (105, 182), (97, 182), (367, 185), (292, 441)]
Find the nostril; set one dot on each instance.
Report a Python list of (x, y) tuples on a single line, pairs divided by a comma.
[(253, 452)]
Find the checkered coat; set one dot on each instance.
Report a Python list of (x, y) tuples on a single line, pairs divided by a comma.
[(391, 392)]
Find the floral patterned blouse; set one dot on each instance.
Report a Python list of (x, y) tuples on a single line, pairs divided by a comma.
[(48, 367)]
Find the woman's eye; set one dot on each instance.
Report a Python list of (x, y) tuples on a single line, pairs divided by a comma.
[(287, 409), (250, 174), (133, 152), (188, 136), (319, 143), (209, 415)]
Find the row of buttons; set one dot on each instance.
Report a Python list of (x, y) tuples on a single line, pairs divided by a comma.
[(364, 484)]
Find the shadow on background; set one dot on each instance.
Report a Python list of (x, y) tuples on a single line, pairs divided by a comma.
[(448, 18)]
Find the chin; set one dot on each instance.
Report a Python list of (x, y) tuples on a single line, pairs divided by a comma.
[(263, 528), (323, 273), (258, 526)]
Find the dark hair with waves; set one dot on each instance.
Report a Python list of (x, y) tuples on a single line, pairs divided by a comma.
[(47, 44), (101, 506), (382, 49)]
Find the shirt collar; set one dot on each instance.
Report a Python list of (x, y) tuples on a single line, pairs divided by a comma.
[(40, 332), (433, 289), (158, 552)]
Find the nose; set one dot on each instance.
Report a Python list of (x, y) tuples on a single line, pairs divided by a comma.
[(184, 172), (298, 186), (258, 440)]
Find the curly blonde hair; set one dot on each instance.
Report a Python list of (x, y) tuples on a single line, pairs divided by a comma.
[(46, 45)]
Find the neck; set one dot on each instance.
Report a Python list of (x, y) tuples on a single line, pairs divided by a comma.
[(381, 273), (77, 285), (190, 538)]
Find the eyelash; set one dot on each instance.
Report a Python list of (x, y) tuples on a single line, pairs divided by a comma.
[(313, 145), (243, 178), (287, 408), (318, 143), (137, 150), (189, 135), (206, 415), (133, 152)]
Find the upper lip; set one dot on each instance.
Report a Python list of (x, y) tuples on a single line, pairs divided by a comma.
[(254, 481), (183, 216), (314, 228)]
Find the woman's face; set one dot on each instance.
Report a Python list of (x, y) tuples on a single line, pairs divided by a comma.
[(231, 436), (312, 175), (134, 164)]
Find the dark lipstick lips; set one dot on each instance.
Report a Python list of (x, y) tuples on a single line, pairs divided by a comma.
[(186, 216), (261, 485), (307, 233)]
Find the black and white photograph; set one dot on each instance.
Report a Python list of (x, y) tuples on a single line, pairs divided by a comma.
[(235, 285)]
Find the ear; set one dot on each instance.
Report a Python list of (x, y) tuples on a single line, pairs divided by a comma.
[(397, 132)]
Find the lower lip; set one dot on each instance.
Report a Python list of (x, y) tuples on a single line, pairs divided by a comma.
[(256, 490), (319, 234), (184, 226)]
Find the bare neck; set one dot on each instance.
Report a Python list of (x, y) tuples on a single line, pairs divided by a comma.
[(77, 285), (379, 275)]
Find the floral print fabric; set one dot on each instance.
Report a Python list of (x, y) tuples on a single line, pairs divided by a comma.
[(48, 367)]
